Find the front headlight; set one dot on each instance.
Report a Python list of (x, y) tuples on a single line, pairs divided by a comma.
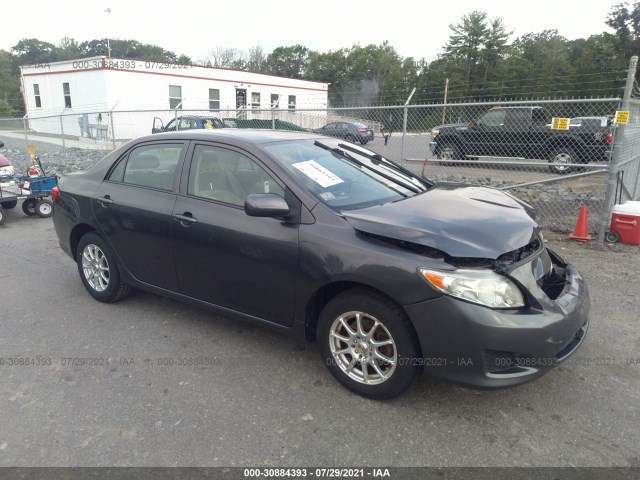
[(478, 286)]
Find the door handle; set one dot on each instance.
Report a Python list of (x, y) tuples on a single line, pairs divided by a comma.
[(106, 200), (186, 219)]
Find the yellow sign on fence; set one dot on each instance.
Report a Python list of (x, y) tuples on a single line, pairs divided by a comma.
[(558, 123), (622, 117)]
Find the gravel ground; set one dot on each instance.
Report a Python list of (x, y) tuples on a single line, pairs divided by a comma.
[(268, 400)]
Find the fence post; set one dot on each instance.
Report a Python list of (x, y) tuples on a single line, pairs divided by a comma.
[(618, 143), (273, 118), (24, 125), (404, 124), (64, 146), (113, 131)]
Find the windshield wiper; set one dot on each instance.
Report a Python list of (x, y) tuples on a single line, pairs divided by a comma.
[(378, 159), (344, 154)]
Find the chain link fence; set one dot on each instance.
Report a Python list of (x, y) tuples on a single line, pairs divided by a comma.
[(555, 154)]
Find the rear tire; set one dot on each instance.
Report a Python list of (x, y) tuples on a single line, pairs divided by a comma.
[(99, 271), (29, 207), (368, 344)]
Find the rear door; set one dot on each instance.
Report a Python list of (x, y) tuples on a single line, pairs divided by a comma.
[(223, 256), (515, 138), (133, 209)]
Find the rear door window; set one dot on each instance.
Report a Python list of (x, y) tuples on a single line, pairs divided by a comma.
[(152, 166)]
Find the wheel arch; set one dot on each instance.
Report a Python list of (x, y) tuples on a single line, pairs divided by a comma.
[(77, 233), (326, 293), (452, 140), (575, 145)]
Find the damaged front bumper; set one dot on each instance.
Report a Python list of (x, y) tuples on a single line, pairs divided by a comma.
[(478, 346)]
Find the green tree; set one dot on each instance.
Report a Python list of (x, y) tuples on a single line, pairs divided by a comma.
[(494, 48), (6, 110), (625, 22), (10, 81), (128, 49), (466, 42), (31, 51), (288, 61), (69, 49)]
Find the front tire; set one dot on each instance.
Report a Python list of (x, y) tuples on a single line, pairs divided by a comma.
[(559, 159), (98, 270), (44, 208), (449, 152), (368, 344)]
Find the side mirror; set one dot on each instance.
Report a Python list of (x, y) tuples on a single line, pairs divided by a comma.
[(265, 205)]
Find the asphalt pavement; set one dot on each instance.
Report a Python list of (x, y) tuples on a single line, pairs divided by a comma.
[(153, 382)]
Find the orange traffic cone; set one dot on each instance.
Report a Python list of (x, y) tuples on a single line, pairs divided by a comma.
[(580, 233)]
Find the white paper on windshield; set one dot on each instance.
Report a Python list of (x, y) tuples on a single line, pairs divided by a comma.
[(318, 173)]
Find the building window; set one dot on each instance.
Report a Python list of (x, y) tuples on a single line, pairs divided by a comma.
[(214, 99), (255, 100), (67, 95), (36, 93), (175, 96), (292, 102), (275, 100)]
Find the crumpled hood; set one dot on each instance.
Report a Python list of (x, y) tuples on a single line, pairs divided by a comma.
[(462, 221)]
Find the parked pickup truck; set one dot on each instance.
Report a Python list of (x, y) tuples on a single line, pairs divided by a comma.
[(521, 132)]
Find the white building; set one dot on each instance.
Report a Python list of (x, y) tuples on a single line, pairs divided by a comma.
[(77, 97)]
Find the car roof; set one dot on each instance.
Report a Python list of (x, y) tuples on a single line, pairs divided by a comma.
[(251, 135)]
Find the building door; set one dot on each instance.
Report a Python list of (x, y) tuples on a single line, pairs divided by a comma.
[(241, 102)]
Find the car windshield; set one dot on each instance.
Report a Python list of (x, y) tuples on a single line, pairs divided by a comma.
[(344, 176)]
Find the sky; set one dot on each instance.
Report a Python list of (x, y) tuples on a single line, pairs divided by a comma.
[(415, 28)]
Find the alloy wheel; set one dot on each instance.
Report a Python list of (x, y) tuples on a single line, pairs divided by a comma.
[(363, 348), (95, 267)]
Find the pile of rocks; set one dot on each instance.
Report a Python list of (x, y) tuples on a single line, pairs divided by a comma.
[(56, 161)]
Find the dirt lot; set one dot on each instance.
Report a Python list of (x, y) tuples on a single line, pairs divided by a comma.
[(110, 396)]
